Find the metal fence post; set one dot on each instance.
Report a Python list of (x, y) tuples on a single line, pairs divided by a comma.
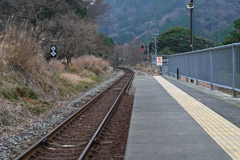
[(179, 66), (211, 69), (196, 68), (177, 73), (186, 69), (234, 70)]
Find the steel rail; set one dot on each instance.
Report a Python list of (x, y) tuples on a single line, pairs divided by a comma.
[(32, 150), (129, 84), (94, 137)]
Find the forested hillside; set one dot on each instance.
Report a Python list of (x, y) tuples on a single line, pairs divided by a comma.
[(130, 19)]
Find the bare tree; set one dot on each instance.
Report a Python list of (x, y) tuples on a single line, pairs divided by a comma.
[(70, 24), (117, 56), (133, 55), (73, 38), (98, 10)]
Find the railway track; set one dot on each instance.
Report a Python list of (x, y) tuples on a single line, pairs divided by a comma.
[(92, 126), (112, 141)]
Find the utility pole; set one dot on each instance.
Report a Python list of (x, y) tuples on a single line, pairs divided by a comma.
[(155, 45), (155, 54), (148, 51)]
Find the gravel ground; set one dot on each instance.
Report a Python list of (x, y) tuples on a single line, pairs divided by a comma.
[(19, 142)]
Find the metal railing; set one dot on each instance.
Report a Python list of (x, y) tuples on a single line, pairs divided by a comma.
[(218, 66)]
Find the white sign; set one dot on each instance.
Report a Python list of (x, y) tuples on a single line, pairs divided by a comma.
[(53, 51), (159, 61)]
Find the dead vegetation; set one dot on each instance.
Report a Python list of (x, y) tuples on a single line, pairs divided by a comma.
[(26, 80), (133, 55), (28, 29)]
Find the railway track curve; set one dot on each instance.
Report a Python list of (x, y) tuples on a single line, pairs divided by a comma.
[(74, 137)]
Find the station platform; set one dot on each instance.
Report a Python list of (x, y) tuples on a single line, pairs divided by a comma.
[(177, 120)]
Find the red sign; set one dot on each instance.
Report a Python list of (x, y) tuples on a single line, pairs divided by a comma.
[(159, 60)]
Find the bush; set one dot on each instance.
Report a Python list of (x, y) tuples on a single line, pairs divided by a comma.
[(91, 63), (73, 68), (19, 50)]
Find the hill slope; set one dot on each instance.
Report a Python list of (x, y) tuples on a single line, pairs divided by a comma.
[(132, 19)]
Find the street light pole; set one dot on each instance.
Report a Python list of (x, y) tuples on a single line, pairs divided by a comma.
[(191, 20)]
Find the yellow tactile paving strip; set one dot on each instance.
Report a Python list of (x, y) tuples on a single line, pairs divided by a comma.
[(226, 134)]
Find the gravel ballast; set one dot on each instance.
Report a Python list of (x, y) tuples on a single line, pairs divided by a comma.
[(19, 142)]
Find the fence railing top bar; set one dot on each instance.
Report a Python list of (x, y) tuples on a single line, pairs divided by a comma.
[(204, 50), (207, 49), (236, 44), (162, 55), (226, 46), (178, 54), (192, 52)]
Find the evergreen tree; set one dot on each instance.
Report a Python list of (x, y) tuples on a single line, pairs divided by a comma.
[(234, 35), (177, 40)]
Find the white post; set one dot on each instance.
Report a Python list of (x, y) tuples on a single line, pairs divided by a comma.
[(234, 70)]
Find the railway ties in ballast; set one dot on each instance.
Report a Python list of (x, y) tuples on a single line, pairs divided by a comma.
[(74, 137)]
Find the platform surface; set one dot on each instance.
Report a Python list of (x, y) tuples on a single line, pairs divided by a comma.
[(169, 124)]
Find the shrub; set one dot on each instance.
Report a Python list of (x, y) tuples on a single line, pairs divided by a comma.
[(91, 63), (58, 66), (73, 68), (19, 50), (26, 92)]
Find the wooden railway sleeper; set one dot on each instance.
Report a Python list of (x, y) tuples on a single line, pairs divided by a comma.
[(59, 154), (57, 158), (56, 130), (61, 149), (43, 142), (69, 146)]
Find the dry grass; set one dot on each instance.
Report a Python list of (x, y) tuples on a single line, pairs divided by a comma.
[(91, 63), (58, 66), (86, 73), (75, 79), (73, 68), (26, 80), (146, 68), (88, 64), (19, 50)]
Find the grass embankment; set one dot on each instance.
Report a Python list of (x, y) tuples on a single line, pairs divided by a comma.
[(26, 81)]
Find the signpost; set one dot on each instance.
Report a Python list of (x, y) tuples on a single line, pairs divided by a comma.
[(53, 52)]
